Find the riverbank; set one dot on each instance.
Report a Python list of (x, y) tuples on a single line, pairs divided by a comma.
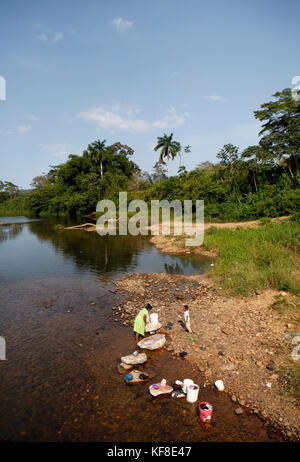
[(238, 340), (255, 256), (175, 245)]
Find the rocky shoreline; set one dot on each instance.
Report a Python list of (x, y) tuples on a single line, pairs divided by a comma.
[(237, 340)]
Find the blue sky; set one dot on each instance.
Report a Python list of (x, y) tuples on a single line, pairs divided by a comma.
[(131, 70)]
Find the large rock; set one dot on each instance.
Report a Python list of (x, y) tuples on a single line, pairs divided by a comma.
[(141, 358), (126, 366), (150, 327), (159, 390), (134, 377), (153, 343)]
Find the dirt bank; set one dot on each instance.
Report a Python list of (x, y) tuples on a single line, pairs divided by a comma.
[(238, 340), (169, 244)]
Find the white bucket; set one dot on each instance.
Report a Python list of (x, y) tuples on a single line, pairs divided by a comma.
[(192, 393), (186, 383), (154, 318), (219, 385)]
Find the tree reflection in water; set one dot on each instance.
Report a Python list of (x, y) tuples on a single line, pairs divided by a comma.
[(10, 231)]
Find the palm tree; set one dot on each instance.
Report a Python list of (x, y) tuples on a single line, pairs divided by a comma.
[(97, 149), (168, 148)]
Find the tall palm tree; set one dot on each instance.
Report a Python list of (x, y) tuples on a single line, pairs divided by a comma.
[(97, 149), (169, 148)]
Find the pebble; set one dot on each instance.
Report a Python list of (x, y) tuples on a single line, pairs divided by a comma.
[(239, 411), (270, 366)]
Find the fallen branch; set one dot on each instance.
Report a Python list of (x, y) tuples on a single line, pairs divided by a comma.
[(85, 225)]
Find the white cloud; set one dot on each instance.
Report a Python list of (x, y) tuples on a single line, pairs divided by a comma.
[(23, 129), (115, 118), (57, 150), (58, 37), (124, 119), (42, 37), (121, 24), (217, 98), (31, 116), (173, 119)]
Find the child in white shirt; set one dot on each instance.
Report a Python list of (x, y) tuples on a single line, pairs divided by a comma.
[(187, 318)]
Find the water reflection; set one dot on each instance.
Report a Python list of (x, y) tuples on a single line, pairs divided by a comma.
[(12, 220), (60, 381), (173, 268), (9, 232), (111, 254)]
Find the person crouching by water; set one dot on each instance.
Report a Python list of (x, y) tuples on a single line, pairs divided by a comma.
[(140, 321)]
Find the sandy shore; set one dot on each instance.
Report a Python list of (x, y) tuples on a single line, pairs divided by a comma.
[(237, 340)]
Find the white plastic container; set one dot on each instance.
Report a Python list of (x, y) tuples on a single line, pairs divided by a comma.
[(219, 385), (192, 393), (186, 383), (154, 318)]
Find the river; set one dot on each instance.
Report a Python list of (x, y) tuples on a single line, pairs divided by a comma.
[(60, 380)]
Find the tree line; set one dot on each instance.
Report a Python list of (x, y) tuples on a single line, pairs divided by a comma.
[(261, 180)]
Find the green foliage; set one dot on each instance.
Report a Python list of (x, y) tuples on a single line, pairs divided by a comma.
[(281, 130), (227, 203), (12, 199), (265, 220), (14, 207), (256, 258), (261, 181), (281, 304), (159, 173), (296, 216), (168, 148), (75, 187), (290, 379)]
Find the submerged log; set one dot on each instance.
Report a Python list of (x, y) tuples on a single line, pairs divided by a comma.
[(85, 225)]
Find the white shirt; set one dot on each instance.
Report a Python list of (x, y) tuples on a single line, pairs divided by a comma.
[(186, 315)]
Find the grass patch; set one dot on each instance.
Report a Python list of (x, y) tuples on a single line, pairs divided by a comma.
[(257, 258), (290, 379), (281, 304)]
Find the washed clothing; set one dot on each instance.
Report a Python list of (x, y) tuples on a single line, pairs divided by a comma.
[(139, 325)]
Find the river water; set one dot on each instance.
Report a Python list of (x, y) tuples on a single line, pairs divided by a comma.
[(60, 380)]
